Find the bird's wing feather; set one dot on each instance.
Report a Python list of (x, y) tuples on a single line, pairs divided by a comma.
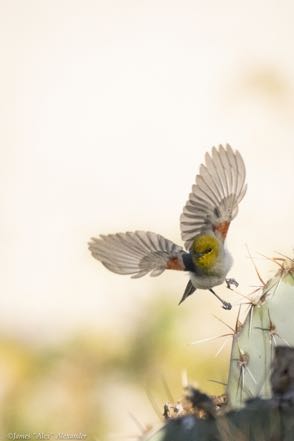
[(137, 253), (213, 202)]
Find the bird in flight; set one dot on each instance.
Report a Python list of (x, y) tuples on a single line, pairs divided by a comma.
[(212, 205)]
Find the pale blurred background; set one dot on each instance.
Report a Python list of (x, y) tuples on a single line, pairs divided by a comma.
[(107, 109)]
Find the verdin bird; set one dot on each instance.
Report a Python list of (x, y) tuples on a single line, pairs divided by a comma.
[(212, 204)]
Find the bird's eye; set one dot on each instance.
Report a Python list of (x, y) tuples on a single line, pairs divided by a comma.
[(208, 250)]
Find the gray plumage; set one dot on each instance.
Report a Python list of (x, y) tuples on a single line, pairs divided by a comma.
[(212, 204), (214, 199), (137, 253)]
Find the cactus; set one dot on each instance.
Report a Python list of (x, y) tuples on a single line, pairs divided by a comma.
[(266, 394), (260, 420), (268, 323)]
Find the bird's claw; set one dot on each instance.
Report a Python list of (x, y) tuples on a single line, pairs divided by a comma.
[(227, 305), (233, 282)]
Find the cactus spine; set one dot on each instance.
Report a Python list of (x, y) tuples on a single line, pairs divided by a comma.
[(268, 323), (256, 345)]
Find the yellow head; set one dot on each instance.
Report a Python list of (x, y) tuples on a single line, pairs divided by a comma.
[(205, 250)]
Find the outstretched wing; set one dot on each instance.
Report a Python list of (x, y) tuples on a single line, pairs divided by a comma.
[(213, 202), (137, 253)]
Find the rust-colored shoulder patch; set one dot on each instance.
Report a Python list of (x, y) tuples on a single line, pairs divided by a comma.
[(222, 229), (175, 263)]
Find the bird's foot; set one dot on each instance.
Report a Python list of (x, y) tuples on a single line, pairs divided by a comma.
[(227, 305), (230, 282)]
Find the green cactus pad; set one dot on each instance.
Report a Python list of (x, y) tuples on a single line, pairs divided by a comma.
[(269, 322)]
